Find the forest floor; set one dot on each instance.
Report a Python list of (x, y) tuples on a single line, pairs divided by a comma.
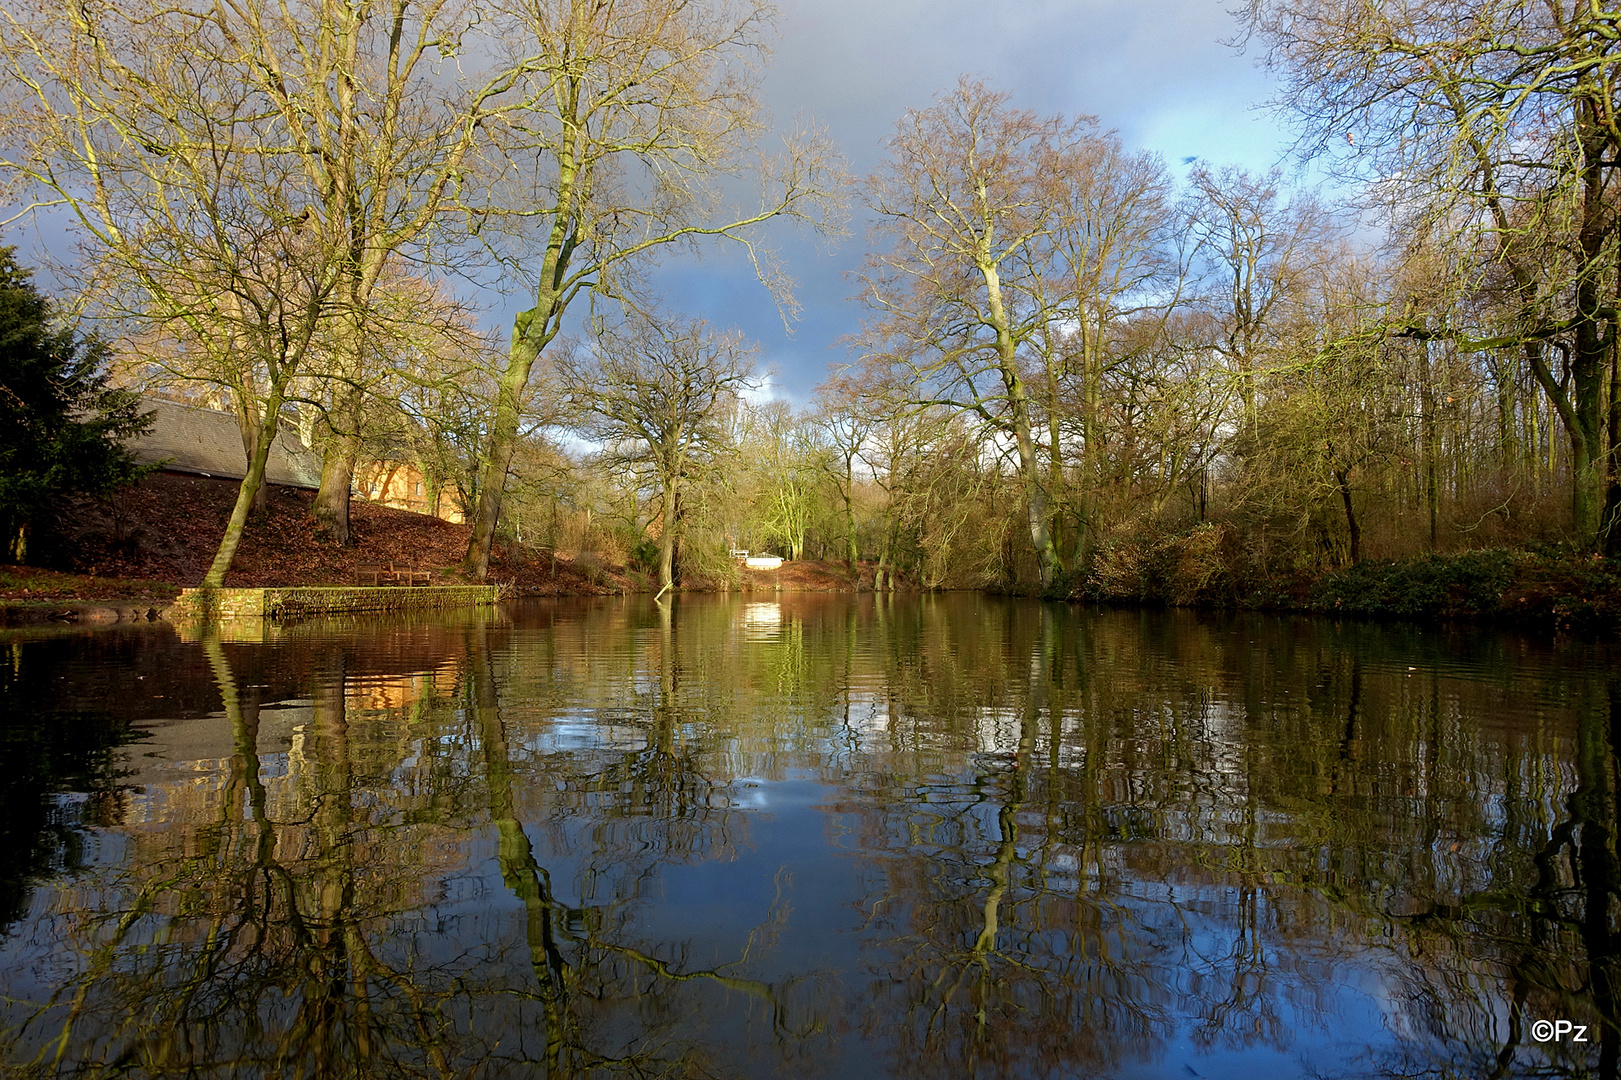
[(128, 558)]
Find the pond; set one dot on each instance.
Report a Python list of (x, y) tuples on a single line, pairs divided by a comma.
[(809, 836)]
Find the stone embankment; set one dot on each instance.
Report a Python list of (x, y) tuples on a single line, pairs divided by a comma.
[(311, 600)]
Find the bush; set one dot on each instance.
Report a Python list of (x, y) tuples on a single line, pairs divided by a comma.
[(645, 555), (1467, 584), (1182, 569)]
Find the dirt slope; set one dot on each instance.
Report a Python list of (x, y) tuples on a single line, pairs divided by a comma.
[(167, 528)]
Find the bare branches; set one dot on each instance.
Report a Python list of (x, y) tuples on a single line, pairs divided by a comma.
[(633, 116), (657, 395)]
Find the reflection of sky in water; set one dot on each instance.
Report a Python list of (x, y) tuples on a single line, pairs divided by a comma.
[(582, 733), (761, 621), (785, 859)]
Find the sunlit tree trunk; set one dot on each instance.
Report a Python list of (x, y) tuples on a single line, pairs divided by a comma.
[(248, 492)]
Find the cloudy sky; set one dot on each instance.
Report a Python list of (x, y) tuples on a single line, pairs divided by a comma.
[(1156, 73)]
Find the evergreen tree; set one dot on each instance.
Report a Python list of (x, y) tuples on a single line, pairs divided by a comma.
[(61, 425)]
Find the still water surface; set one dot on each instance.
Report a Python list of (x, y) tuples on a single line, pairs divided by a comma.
[(817, 837)]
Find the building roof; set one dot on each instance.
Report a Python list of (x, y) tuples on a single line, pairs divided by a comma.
[(206, 442)]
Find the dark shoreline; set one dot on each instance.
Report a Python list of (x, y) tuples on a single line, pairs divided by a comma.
[(1528, 591)]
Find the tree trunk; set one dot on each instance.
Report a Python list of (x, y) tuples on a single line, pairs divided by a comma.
[(883, 561), (503, 444), (252, 430), (1589, 363), (667, 538), (1612, 489), (248, 496), (1427, 397), (850, 553), (1343, 480), (1055, 473), (1019, 420), (331, 506)]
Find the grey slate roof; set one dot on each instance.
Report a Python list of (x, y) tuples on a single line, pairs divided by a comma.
[(206, 442)]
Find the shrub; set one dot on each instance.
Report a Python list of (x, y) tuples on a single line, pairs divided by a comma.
[(1470, 583)]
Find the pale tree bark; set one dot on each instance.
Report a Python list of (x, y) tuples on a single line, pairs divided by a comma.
[(971, 206)]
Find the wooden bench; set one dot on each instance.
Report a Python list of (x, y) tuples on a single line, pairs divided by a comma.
[(391, 573), (370, 573)]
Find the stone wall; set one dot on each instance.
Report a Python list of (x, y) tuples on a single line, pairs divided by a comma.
[(302, 601)]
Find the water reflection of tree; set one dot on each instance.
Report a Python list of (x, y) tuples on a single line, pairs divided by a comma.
[(1076, 835), (612, 1002), (1252, 825), (249, 942), (282, 921), (991, 955), (1488, 964)]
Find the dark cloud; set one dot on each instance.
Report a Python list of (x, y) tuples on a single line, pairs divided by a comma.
[(1156, 73)]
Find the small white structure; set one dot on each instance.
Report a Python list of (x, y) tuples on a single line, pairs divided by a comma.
[(757, 562)]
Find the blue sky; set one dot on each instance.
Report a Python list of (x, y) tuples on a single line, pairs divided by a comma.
[(1155, 72)]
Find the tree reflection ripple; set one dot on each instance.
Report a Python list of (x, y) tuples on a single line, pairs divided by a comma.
[(812, 836)]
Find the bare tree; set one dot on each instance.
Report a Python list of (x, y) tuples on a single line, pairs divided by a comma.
[(969, 188), (1013, 248), (1496, 122), (846, 424), (636, 111), (242, 175), (1112, 278), (1259, 249), (657, 397)]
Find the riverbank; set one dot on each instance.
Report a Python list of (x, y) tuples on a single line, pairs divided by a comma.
[(133, 557), (129, 559), (1548, 590)]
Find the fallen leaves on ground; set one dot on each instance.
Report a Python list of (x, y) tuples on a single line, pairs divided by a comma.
[(168, 527)]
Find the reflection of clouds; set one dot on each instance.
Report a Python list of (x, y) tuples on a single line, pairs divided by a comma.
[(571, 736), (751, 793)]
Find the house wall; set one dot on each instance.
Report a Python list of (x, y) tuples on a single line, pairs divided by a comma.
[(402, 486)]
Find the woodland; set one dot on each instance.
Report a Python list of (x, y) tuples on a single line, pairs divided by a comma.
[(1079, 372)]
